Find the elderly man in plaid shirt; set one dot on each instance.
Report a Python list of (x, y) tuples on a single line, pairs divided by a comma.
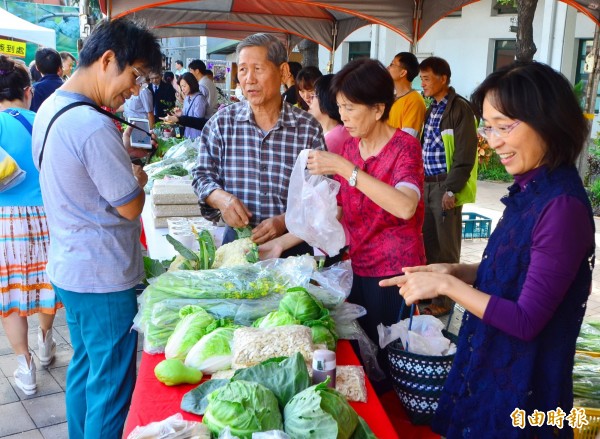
[(248, 149), (449, 156)]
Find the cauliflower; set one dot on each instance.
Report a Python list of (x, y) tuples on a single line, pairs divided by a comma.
[(239, 252)]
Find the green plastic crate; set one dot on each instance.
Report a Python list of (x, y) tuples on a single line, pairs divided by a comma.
[(475, 226)]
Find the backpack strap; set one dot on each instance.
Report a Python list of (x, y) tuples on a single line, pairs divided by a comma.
[(79, 104), (17, 115)]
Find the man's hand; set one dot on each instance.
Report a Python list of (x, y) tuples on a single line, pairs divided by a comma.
[(233, 211), (138, 153), (140, 175), (448, 203), (270, 250), (269, 229)]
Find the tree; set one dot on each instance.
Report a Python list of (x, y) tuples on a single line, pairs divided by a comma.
[(310, 53), (525, 12)]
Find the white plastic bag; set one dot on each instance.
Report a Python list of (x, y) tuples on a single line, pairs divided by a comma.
[(424, 338), (312, 208), (173, 427)]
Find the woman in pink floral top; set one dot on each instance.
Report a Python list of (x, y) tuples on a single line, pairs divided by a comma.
[(381, 174)]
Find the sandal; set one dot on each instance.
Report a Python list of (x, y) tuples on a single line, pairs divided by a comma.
[(436, 310)]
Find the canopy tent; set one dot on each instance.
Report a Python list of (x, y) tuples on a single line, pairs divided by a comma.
[(14, 27), (327, 22), (591, 8)]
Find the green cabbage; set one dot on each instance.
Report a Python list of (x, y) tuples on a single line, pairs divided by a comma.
[(275, 318), (301, 305), (319, 412), (188, 331), (212, 352), (323, 330), (243, 406)]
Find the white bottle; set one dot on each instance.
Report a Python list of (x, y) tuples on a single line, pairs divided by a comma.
[(324, 365)]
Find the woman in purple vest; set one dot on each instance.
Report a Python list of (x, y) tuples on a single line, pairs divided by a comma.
[(526, 299)]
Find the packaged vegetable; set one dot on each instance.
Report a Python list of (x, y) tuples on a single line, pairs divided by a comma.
[(275, 318), (190, 329), (212, 352)]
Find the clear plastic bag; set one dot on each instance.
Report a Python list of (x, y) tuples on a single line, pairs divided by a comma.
[(11, 173), (333, 284), (312, 209), (424, 338), (173, 427)]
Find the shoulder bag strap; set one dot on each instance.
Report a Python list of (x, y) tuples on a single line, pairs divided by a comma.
[(78, 104), (17, 115)]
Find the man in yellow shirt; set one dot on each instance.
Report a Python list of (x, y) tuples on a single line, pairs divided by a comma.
[(408, 111)]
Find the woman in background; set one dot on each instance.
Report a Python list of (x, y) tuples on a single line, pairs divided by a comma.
[(26, 289), (323, 107), (195, 103), (305, 84), (526, 299)]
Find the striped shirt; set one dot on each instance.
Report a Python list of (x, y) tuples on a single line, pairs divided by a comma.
[(255, 166), (434, 155)]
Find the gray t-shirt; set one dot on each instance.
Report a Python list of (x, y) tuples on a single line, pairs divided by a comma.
[(85, 174), (139, 106), (213, 95)]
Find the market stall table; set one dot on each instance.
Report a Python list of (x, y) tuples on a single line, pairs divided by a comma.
[(154, 401)]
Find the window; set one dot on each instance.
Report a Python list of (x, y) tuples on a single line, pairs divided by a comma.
[(504, 53), (359, 50), (585, 47), (457, 13), (500, 9)]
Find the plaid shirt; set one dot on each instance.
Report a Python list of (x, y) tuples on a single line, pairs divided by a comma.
[(434, 155), (238, 157)]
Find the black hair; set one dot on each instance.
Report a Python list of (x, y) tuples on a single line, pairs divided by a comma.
[(169, 77), (197, 64), (295, 67), (209, 73), (66, 55), (48, 61), (179, 62), (543, 98), (14, 79), (365, 81), (129, 40), (191, 81), (438, 66), (410, 63), (326, 98), (34, 72), (305, 79)]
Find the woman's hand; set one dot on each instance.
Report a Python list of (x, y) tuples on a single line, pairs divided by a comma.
[(419, 285), (170, 119), (328, 163), (270, 250), (177, 112)]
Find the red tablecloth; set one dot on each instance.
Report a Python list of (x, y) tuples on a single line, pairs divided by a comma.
[(153, 401)]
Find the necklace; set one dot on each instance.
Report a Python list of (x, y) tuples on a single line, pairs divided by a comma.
[(404, 94)]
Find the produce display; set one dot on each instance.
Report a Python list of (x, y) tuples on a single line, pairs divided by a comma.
[(172, 372), (190, 329), (213, 352), (589, 337), (586, 381)]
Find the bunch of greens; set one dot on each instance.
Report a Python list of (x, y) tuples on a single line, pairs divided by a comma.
[(589, 337), (586, 381), (245, 407), (190, 260), (190, 328)]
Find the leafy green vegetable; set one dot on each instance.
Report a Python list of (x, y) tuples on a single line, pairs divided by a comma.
[(285, 377), (183, 250), (586, 379), (301, 305), (589, 337), (207, 249), (173, 372), (243, 232), (196, 400), (212, 352), (319, 412), (275, 318), (363, 431), (175, 169), (154, 267), (243, 406), (323, 335), (190, 329)]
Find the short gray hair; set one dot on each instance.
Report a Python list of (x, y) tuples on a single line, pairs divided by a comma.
[(276, 52)]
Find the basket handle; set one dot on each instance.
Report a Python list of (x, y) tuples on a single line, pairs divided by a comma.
[(412, 312)]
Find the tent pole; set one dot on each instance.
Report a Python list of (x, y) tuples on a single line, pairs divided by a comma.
[(333, 47), (417, 16)]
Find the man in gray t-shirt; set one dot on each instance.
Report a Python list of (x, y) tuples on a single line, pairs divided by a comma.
[(93, 200)]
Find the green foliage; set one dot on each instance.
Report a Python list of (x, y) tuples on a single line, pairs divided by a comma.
[(493, 170), (594, 194)]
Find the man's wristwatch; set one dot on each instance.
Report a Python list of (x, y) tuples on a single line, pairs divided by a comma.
[(352, 179), (450, 194)]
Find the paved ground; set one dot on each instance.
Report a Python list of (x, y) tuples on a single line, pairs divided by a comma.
[(43, 414)]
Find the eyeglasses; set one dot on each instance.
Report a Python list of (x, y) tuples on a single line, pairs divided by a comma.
[(140, 79), (500, 132), (30, 88)]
